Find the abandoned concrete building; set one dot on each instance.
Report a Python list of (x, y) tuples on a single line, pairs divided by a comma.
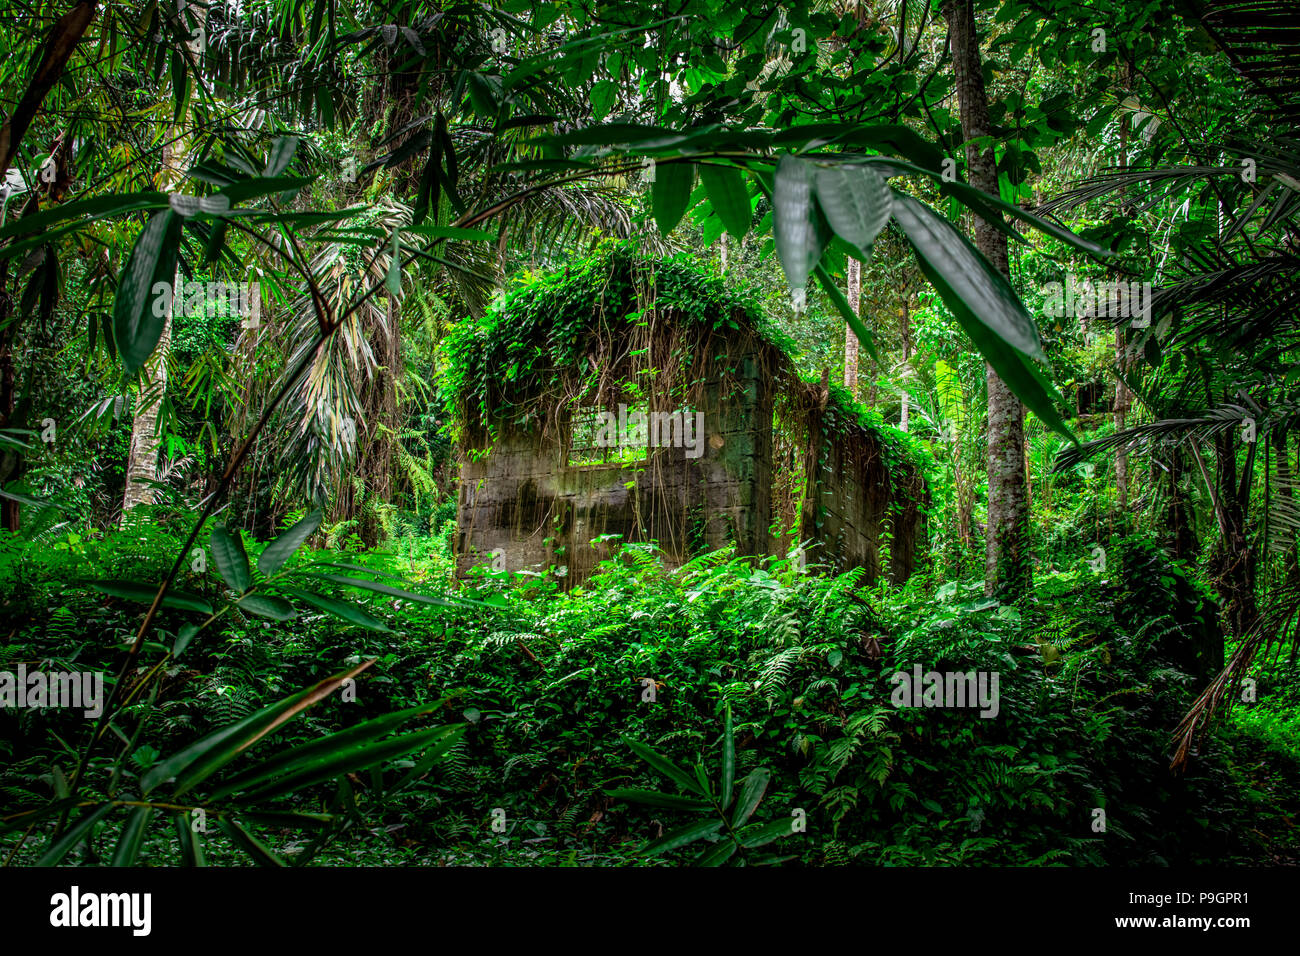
[(628, 400)]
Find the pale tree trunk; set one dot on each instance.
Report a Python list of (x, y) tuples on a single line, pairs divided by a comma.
[(851, 344), (904, 418), (1007, 570), (722, 255), (142, 458)]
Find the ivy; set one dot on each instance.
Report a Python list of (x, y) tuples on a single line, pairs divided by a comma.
[(535, 340)]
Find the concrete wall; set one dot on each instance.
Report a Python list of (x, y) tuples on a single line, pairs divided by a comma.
[(525, 499)]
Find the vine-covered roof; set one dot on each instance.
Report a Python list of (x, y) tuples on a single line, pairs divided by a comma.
[(498, 366)]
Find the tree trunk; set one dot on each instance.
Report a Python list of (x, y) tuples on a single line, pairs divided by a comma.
[(142, 459), (1232, 564), (904, 418), (1007, 571), (851, 345), (1179, 533)]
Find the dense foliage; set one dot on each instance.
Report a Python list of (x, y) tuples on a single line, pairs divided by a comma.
[(271, 272)]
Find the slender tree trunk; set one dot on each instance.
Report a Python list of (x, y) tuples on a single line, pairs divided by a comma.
[(1178, 523), (851, 345), (1286, 487), (1007, 570), (1232, 564), (142, 458), (904, 418)]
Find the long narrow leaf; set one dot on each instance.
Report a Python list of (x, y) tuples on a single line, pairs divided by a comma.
[(74, 835), (681, 837), (128, 845), (282, 548), (751, 792), (665, 766), (204, 757)]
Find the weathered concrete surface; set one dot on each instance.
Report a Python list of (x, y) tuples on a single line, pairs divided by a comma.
[(525, 505)]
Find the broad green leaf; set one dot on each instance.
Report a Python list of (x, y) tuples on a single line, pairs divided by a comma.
[(282, 150), (247, 189), (702, 778), (340, 609), (230, 558), (856, 201), (290, 818), (97, 207), (397, 592), (899, 140), (988, 206), (1022, 375), (139, 314), (982, 288), (191, 846), (798, 236), (425, 764), (452, 232), (128, 845), (393, 277), (665, 766), (725, 187), (751, 792), (682, 836), (612, 134), (184, 636), (891, 138), (355, 567), (282, 548), (265, 605), (670, 193), (983, 319), (145, 593)]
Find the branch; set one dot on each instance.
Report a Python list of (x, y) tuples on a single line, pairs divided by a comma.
[(67, 33)]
